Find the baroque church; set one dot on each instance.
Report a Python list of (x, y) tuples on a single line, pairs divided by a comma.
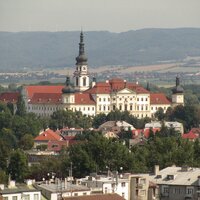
[(92, 97)]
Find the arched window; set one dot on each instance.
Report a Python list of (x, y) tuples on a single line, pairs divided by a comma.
[(84, 81), (76, 81)]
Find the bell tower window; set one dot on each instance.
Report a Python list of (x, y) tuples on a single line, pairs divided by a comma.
[(84, 81), (76, 81)]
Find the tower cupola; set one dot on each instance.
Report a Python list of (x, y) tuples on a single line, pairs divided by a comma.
[(68, 88), (178, 88)]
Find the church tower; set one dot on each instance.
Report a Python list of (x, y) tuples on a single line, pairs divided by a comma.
[(81, 75), (177, 94)]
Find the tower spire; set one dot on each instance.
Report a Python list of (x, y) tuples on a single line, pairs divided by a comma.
[(81, 58)]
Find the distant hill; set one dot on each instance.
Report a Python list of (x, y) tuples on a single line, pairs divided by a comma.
[(59, 49)]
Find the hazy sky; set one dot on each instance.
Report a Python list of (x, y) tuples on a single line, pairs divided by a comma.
[(111, 15)]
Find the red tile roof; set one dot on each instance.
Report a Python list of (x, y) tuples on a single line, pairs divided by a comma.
[(57, 145), (96, 197), (84, 99), (158, 98), (190, 136), (195, 130), (115, 85), (48, 135), (11, 97), (47, 98), (31, 89), (147, 131)]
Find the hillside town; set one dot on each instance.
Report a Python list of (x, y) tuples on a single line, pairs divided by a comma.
[(109, 140)]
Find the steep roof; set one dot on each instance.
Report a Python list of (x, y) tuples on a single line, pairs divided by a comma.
[(84, 99), (96, 197), (115, 85), (47, 98), (158, 98), (190, 136), (32, 89), (11, 97), (48, 135)]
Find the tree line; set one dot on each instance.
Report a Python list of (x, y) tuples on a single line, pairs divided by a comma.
[(93, 152)]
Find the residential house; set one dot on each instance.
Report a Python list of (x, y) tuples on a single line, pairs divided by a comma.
[(97, 197), (177, 183), (20, 192), (62, 189)]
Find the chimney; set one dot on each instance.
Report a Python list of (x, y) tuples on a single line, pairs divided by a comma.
[(156, 170), (11, 184), (2, 186)]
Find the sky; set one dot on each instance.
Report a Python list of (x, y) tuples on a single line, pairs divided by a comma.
[(94, 15)]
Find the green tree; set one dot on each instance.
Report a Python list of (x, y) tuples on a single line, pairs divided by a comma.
[(4, 155), (99, 119), (26, 142), (21, 109), (18, 166), (159, 114)]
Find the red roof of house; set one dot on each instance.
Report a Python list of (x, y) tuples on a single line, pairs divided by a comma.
[(190, 135), (47, 98), (84, 99), (195, 130), (115, 85), (158, 98), (96, 197), (48, 135), (57, 145), (32, 89), (147, 131), (11, 97)]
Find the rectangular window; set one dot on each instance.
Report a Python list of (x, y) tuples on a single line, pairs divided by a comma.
[(26, 197), (125, 107), (166, 190), (5, 198), (123, 184), (14, 198), (75, 194), (114, 107), (36, 196), (120, 107), (131, 107)]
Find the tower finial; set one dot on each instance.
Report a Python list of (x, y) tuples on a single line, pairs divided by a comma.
[(81, 58)]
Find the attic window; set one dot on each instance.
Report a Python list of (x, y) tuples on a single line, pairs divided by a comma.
[(170, 177)]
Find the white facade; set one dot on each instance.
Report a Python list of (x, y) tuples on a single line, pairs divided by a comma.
[(107, 185)]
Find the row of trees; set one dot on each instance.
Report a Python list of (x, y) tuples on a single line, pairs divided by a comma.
[(95, 153)]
